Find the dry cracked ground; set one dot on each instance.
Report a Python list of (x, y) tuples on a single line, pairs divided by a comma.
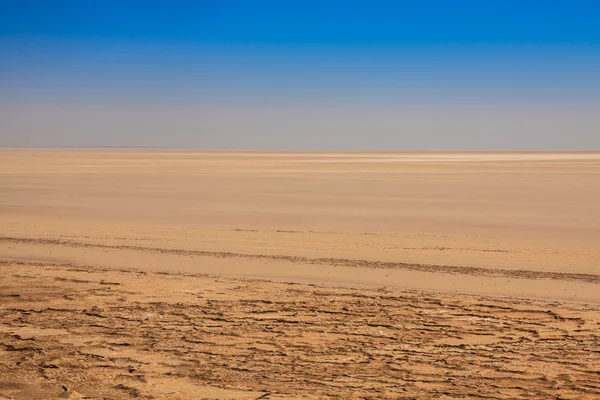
[(81, 332)]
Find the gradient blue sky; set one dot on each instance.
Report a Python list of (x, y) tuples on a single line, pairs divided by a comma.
[(305, 74)]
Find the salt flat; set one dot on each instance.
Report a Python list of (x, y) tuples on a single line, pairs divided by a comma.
[(536, 212), (189, 274)]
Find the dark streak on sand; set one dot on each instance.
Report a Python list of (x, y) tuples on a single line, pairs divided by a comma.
[(448, 269)]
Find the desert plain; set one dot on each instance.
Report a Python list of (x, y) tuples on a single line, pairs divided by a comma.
[(172, 274)]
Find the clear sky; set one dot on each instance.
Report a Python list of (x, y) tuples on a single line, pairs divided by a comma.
[(389, 75)]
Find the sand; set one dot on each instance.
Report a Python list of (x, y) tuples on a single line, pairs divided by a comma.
[(187, 274)]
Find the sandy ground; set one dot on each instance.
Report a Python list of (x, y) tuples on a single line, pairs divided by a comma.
[(181, 274)]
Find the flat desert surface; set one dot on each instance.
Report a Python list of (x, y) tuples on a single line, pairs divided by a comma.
[(163, 274)]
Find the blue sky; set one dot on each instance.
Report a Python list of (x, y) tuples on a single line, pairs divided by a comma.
[(344, 23), (300, 54)]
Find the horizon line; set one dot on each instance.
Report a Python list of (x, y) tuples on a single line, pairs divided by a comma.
[(241, 150)]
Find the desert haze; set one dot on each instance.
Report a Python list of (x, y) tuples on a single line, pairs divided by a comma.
[(187, 274)]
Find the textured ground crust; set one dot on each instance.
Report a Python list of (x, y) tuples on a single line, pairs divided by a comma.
[(76, 332)]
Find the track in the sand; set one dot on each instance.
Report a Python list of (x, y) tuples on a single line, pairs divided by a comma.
[(449, 269)]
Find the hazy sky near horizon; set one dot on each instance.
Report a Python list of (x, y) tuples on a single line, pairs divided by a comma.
[(301, 75)]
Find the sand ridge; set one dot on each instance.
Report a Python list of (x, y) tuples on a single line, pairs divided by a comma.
[(282, 258)]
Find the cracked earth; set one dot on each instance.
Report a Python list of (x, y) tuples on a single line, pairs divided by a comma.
[(83, 332)]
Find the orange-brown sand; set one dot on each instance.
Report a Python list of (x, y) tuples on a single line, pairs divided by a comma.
[(186, 274)]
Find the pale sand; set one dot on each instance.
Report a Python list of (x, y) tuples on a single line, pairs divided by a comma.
[(499, 211), (471, 236)]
